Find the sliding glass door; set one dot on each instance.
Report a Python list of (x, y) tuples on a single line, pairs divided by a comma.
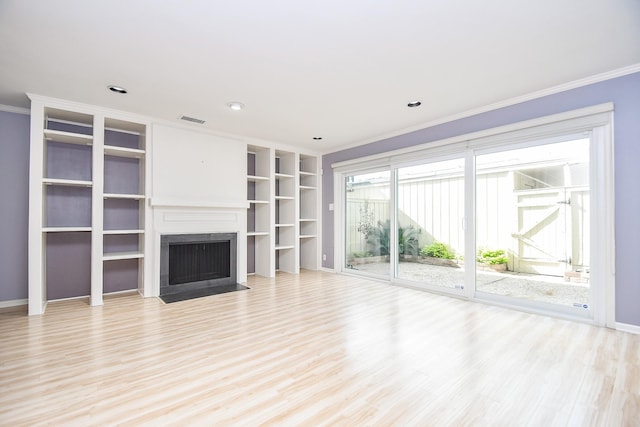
[(533, 223), (430, 216), (368, 223), (514, 219)]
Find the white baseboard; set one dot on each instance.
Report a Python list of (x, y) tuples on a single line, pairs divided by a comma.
[(625, 327), (327, 270), (13, 303)]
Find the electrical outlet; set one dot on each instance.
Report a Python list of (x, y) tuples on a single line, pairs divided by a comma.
[(324, 257)]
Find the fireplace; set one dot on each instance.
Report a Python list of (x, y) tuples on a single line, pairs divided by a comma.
[(191, 262)]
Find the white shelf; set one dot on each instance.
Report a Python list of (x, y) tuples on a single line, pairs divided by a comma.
[(285, 225), (122, 255), (307, 187), (307, 173), (257, 178), (179, 203), (258, 201), (307, 236), (66, 182), (285, 197), (307, 219), (68, 137), (112, 150), (123, 196), (283, 247), (257, 233), (112, 232), (64, 229), (282, 175)]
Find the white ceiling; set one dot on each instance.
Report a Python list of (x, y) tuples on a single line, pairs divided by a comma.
[(342, 70)]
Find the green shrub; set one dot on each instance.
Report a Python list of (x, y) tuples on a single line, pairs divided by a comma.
[(379, 237), (438, 250), (358, 254), (408, 240), (491, 256)]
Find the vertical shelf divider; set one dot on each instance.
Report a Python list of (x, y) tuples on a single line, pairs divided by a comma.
[(97, 206), (37, 239), (146, 282)]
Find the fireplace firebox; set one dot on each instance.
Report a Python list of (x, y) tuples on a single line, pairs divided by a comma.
[(190, 262)]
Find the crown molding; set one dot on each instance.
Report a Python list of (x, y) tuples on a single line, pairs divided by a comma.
[(619, 72), (12, 109)]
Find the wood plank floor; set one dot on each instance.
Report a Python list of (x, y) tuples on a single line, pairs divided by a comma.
[(312, 350)]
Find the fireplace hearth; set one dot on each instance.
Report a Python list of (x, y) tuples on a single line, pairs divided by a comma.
[(195, 265)]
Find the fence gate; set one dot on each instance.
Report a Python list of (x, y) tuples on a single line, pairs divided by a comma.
[(543, 241)]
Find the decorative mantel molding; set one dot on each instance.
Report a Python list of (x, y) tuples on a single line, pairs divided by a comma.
[(159, 202)]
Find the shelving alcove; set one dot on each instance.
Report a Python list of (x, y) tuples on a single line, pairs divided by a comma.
[(282, 220), (87, 217), (308, 212)]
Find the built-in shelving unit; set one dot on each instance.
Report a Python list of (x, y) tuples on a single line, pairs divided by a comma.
[(87, 203), (123, 205), (260, 216), (279, 237), (286, 212), (308, 208)]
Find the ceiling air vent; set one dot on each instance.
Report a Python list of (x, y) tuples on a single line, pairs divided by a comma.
[(192, 120)]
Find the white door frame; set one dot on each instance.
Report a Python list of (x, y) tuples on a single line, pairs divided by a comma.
[(596, 122)]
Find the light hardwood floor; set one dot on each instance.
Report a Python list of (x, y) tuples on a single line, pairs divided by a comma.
[(312, 350)]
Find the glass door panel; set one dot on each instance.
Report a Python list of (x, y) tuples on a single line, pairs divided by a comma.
[(430, 224), (367, 227), (532, 223)]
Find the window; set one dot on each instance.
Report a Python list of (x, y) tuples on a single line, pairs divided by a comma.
[(521, 215)]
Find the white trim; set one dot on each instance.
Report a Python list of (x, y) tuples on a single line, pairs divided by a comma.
[(87, 297), (125, 291), (338, 221), (180, 203), (12, 109), (327, 270), (603, 231), (625, 327), (13, 303), (620, 72)]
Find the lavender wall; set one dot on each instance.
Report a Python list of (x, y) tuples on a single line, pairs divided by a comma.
[(14, 208), (624, 92)]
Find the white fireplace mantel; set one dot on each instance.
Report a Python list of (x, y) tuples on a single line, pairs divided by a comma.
[(159, 202), (199, 186), (172, 216)]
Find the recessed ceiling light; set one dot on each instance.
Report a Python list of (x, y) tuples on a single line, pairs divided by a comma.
[(235, 106), (414, 104), (317, 138), (117, 89)]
